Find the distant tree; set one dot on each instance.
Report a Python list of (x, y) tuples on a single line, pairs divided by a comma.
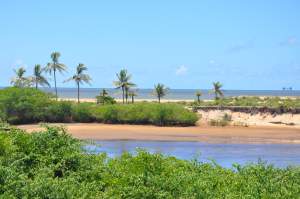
[(20, 80), (217, 90), (55, 66), (79, 77), (132, 94), (124, 83), (104, 98), (38, 78), (198, 94), (160, 91)]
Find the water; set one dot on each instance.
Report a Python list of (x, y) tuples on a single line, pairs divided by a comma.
[(174, 94), (281, 155)]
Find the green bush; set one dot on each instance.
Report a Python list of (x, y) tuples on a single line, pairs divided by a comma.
[(82, 112), (24, 105), (146, 113), (51, 164), (60, 111)]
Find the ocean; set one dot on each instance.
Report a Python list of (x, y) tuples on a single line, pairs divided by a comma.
[(173, 94)]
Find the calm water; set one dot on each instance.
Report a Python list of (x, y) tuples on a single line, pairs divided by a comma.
[(281, 155), (179, 94)]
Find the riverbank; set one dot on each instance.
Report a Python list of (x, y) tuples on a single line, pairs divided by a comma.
[(253, 134)]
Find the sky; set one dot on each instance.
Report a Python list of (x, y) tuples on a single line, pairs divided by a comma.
[(251, 44)]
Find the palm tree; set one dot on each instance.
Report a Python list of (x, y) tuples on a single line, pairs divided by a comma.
[(217, 90), (124, 83), (55, 66), (38, 77), (104, 93), (80, 78), (19, 80), (198, 94), (132, 94), (160, 91)]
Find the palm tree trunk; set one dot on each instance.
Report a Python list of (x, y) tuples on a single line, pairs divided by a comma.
[(198, 98), (55, 83), (78, 92), (132, 99), (158, 99), (36, 84), (123, 94)]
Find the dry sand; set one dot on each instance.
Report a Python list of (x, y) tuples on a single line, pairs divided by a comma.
[(267, 134)]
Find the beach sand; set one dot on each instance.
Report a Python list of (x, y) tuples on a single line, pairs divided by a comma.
[(258, 134)]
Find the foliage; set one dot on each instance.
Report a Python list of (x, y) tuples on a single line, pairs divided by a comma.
[(19, 80), (24, 105), (51, 164), (269, 102), (146, 113), (38, 78), (28, 105), (123, 82), (160, 91), (105, 100), (217, 90)]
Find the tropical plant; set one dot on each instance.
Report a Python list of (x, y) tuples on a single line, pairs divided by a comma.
[(79, 77), (124, 83), (132, 94), (217, 90), (38, 78), (19, 80), (198, 94), (55, 66), (103, 98), (160, 91)]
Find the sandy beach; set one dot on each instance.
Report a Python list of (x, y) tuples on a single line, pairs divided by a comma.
[(262, 134)]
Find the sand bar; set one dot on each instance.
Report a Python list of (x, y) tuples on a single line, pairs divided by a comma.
[(267, 134)]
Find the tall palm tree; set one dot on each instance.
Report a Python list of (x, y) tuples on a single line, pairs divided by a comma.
[(38, 78), (55, 66), (217, 90), (160, 91), (79, 77), (132, 94), (20, 80), (198, 94), (124, 83)]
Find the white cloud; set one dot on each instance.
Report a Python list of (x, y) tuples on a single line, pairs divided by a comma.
[(291, 41), (181, 70)]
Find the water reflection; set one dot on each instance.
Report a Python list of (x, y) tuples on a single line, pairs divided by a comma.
[(281, 155)]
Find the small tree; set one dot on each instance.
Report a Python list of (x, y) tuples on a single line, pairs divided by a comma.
[(160, 91), (38, 78), (132, 94), (20, 80), (79, 77), (217, 90), (124, 83), (198, 94)]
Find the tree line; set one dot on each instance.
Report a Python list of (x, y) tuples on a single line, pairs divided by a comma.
[(80, 77)]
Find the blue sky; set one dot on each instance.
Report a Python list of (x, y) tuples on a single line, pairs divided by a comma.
[(183, 44)]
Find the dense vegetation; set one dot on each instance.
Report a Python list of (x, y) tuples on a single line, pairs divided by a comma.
[(28, 105), (270, 102), (51, 164)]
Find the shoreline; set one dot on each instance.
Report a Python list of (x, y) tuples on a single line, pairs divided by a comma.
[(206, 134)]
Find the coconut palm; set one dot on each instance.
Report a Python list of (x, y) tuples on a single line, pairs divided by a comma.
[(19, 80), (124, 83), (217, 90), (198, 94), (55, 66), (79, 77), (103, 93), (132, 94), (160, 91), (38, 78)]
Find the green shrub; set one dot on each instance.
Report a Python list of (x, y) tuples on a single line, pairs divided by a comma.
[(60, 111), (146, 113), (51, 164), (82, 112), (105, 100), (24, 105)]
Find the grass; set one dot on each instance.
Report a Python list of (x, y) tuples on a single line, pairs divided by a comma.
[(51, 164)]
